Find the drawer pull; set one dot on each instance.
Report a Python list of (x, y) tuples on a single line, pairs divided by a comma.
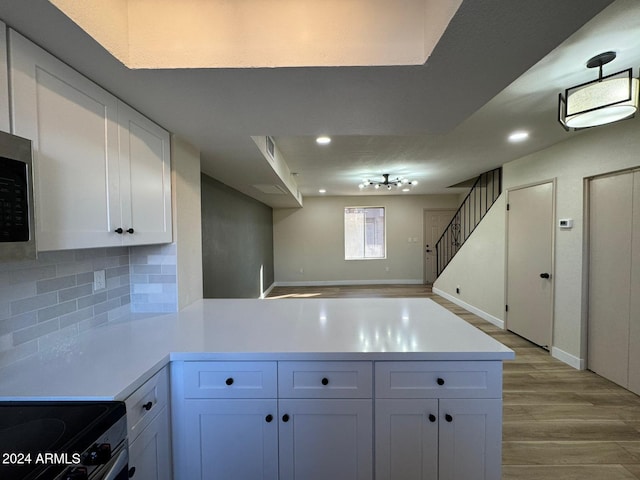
[(130, 230), (147, 406), (285, 418), (448, 418), (325, 381), (229, 381), (132, 472), (440, 381), (432, 417), (269, 418), (119, 231)]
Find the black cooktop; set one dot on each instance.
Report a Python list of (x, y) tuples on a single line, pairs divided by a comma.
[(36, 438)]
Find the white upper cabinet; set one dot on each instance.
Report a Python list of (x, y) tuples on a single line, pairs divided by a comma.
[(4, 81), (145, 179), (99, 166)]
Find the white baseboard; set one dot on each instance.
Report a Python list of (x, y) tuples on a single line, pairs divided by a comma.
[(484, 315), (266, 292), (329, 283), (571, 360)]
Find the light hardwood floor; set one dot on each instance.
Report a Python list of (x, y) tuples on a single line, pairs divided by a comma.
[(559, 423)]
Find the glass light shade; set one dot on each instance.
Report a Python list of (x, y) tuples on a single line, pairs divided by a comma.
[(599, 103)]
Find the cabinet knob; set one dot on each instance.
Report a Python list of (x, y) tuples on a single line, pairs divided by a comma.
[(268, 418), (229, 381), (432, 417), (130, 230), (147, 406), (132, 472), (285, 418), (119, 230), (440, 381), (325, 381), (448, 418)]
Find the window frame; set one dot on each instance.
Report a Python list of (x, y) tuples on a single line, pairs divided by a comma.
[(384, 232)]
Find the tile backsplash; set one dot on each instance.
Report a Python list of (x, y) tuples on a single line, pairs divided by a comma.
[(49, 301)]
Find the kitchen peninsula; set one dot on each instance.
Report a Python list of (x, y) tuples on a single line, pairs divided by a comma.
[(274, 388)]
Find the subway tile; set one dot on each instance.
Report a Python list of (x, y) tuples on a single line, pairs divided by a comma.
[(18, 322), (34, 303), (139, 298), (136, 279), (118, 292), (117, 271), (137, 259), (13, 277), (58, 283), (54, 257), (162, 259), (162, 279), (125, 300), (75, 292), (73, 268), (90, 253), (117, 252), (5, 310), (30, 333), (147, 269), (119, 312), (84, 278), (57, 310), (123, 260), (146, 288), (104, 307), (169, 269), (92, 300), (76, 317), (17, 291)]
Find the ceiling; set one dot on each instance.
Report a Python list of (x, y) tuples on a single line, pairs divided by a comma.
[(498, 67)]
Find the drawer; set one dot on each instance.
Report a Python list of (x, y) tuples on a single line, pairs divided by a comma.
[(230, 380), (145, 403), (438, 379), (325, 379)]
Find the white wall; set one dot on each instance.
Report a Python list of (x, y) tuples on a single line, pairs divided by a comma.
[(584, 154), (478, 268), (187, 221), (309, 242)]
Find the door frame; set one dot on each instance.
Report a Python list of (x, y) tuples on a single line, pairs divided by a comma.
[(553, 182), (424, 236)]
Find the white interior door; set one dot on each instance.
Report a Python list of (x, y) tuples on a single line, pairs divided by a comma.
[(435, 221), (614, 235), (529, 263)]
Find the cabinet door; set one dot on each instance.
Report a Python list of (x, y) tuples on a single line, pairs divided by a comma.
[(470, 445), (322, 439), (145, 179), (149, 453), (230, 439), (406, 439), (73, 125)]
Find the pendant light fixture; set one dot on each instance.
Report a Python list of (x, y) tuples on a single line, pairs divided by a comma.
[(605, 100)]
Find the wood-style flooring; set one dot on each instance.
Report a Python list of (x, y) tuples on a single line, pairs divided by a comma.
[(559, 423)]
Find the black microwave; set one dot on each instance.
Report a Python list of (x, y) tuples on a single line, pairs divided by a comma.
[(17, 229)]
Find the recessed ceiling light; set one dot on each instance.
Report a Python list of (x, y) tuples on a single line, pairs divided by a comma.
[(406, 189), (518, 136), (322, 190), (324, 140)]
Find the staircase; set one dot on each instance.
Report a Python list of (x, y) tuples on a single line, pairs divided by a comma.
[(481, 197)]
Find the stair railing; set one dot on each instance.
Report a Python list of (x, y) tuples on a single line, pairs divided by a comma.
[(481, 197)]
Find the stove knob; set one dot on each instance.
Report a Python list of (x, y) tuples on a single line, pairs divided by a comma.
[(97, 455), (76, 473)]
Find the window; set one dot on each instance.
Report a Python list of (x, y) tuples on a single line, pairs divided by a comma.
[(364, 235)]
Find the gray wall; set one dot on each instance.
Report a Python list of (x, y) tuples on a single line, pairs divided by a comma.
[(237, 243)]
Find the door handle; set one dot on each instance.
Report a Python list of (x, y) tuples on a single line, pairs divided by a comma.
[(545, 275)]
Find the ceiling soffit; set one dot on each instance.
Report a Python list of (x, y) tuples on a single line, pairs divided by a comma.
[(153, 34)]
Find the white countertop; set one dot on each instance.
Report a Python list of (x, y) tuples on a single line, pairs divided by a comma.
[(111, 361)]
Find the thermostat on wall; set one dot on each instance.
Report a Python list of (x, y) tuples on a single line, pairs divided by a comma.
[(566, 223)]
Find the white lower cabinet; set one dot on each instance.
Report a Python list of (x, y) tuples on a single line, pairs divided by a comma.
[(285, 420), (150, 452), (321, 439), (149, 429), (425, 439)]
